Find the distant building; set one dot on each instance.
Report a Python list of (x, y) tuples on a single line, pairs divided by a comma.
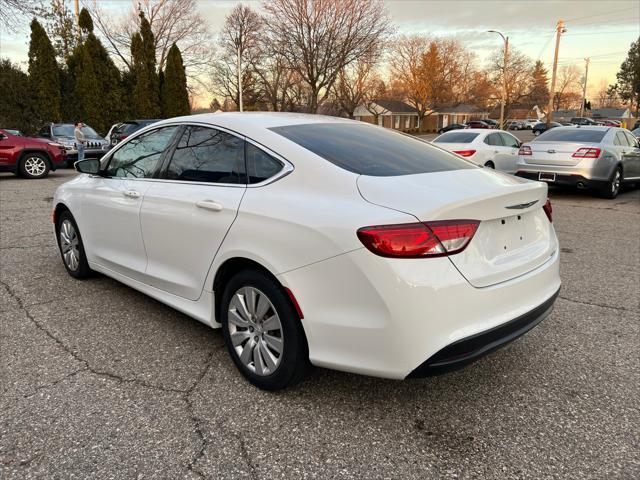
[(392, 114), (401, 116), (621, 114)]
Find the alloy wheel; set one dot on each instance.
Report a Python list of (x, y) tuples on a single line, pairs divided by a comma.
[(35, 166), (69, 245), (255, 331), (615, 183)]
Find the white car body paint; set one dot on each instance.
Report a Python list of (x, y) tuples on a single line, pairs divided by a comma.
[(504, 158), (362, 313)]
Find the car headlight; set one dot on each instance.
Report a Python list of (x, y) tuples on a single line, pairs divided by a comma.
[(54, 144)]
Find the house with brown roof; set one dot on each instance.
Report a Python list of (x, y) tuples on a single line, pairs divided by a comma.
[(392, 114)]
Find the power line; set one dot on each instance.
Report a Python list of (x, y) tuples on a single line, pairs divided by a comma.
[(602, 33), (600, 14)]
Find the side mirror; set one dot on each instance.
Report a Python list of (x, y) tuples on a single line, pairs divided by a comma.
[(90, 166), (2, 136)]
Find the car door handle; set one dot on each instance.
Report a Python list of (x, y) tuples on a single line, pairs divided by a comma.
[(209, 205), (131, 194)]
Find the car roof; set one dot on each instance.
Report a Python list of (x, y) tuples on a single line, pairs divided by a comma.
[(252, 121)]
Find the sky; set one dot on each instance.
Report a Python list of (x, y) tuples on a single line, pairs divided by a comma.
[(600, 29)]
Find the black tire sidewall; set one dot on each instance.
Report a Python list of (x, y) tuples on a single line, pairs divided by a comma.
[(23, 171), (83, 270), (607, 192), (295, 355)]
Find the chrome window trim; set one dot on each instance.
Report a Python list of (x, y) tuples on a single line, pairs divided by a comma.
[(286, 169)]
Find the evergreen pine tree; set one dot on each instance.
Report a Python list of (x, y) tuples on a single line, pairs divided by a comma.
[(44, 78), (146, 94), (175, 98), (17, 105), (539, 90)]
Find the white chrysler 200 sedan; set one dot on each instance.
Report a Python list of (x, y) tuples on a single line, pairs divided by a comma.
[(314, 240)]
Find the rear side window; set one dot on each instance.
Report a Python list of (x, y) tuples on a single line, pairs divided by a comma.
[(207, 155), (368, 150), (260, 165), (456, 137), (572, 135), (509, 140)]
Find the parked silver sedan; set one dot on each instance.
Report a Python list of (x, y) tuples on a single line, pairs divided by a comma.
[(595, 158)]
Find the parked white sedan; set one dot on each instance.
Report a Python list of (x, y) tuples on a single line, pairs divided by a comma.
[(316, 240), (490, 148)]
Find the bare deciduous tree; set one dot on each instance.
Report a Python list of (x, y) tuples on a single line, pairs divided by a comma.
[(356, 85), (172, 21), (519, 71), (408, 71), (319, 38), (567, 87), (11, 11)]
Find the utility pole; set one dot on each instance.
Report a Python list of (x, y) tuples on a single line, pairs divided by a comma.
[(584, 86), (559, 31), (504, 75)]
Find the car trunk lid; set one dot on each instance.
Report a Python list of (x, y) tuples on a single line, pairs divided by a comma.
[(555, 153), (514, 235)]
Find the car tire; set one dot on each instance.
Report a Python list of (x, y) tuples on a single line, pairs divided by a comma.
[(614, 184), (536, 133), (34, 166), (490, 164), (71, 247), (263, 331)]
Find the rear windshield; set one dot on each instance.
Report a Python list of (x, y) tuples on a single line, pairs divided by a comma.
[(368, 150), (456, 137), (582, 135)]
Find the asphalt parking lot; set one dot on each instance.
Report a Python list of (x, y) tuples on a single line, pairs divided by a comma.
[(99, 381)]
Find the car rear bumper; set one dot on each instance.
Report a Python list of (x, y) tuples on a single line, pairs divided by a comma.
[(470, 349), (383, 317), (566, 180)]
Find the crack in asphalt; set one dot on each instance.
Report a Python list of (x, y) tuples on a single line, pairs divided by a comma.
[(602, 305), (86, 367), (246, 457)]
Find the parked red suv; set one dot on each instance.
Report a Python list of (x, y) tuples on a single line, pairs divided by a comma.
[(477, 124), (29, 157)]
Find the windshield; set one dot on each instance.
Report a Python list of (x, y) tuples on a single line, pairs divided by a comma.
[(67, 130), (456, 137), (580, 135), (368, 150)]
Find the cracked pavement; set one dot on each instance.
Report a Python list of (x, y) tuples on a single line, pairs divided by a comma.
[(99, 381)]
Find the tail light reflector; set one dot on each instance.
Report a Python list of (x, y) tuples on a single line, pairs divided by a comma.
[(465, 153), (525, 150), (548, 209), (416, 240), (586, 152)]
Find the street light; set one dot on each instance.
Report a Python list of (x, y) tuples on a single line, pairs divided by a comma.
[(504, 75)]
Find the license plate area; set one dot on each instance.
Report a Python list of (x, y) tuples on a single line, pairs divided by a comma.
[(546, 177)]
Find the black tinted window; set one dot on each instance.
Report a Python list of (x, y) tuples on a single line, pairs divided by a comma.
[(584, 135), (140, 157), (369, 150), (207, 155), (260, 165), (456, 137)]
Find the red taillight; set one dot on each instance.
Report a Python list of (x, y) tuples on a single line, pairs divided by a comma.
[(548, 209), (586, 152), (465, 153), (414, 240), (525, 150), (295, 303)]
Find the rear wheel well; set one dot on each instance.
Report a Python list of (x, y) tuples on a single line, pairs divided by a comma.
[(230, 268)]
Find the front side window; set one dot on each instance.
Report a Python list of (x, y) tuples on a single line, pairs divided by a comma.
[(207, 155), (365, 150), (140, 156), (509, 140), (493, 139), (260, 165)]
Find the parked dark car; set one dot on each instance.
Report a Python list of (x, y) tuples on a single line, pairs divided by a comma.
[(63, 133), (453, 126), (516, 125), (541, 127), (583, 121), (492, 123), (477, 124), (29, 157), (127, 128)]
